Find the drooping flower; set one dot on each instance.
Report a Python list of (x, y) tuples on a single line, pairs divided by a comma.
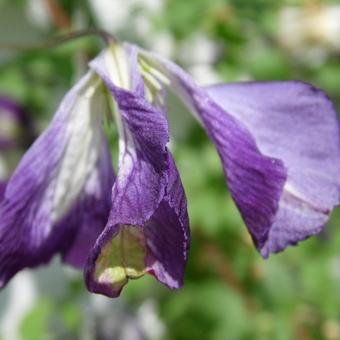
[(63, 192), (147, 230), (278, 143)]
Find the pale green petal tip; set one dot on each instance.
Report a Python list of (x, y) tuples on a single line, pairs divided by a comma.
[(122, 258)]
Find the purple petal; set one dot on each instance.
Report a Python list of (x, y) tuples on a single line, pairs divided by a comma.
[(167, 234), (66, 169), (91, 211), (142, 173), (255, 180), (296, 123), (159, 245), (143, 195)]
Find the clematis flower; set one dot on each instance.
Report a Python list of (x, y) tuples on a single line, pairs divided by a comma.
[(63, 197), (147, 230), (278, 143)]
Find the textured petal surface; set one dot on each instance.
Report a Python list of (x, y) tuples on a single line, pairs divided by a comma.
[(158, 246), (167, 234), (255, 180), (142, 172), (147, 229), (296, 123), (66, 169), (90, 213)]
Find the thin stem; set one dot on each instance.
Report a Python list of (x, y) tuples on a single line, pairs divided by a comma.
[(60, 39)]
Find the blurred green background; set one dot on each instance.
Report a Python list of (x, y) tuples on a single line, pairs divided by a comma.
[(230, 292)]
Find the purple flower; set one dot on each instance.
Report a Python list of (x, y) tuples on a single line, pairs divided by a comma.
[(148, 229), (63, 197), (278, 143)]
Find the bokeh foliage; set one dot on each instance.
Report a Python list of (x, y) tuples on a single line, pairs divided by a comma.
[(230, 292)]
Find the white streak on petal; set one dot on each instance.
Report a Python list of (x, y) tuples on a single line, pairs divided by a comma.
[(116, 63), (81, 153)]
